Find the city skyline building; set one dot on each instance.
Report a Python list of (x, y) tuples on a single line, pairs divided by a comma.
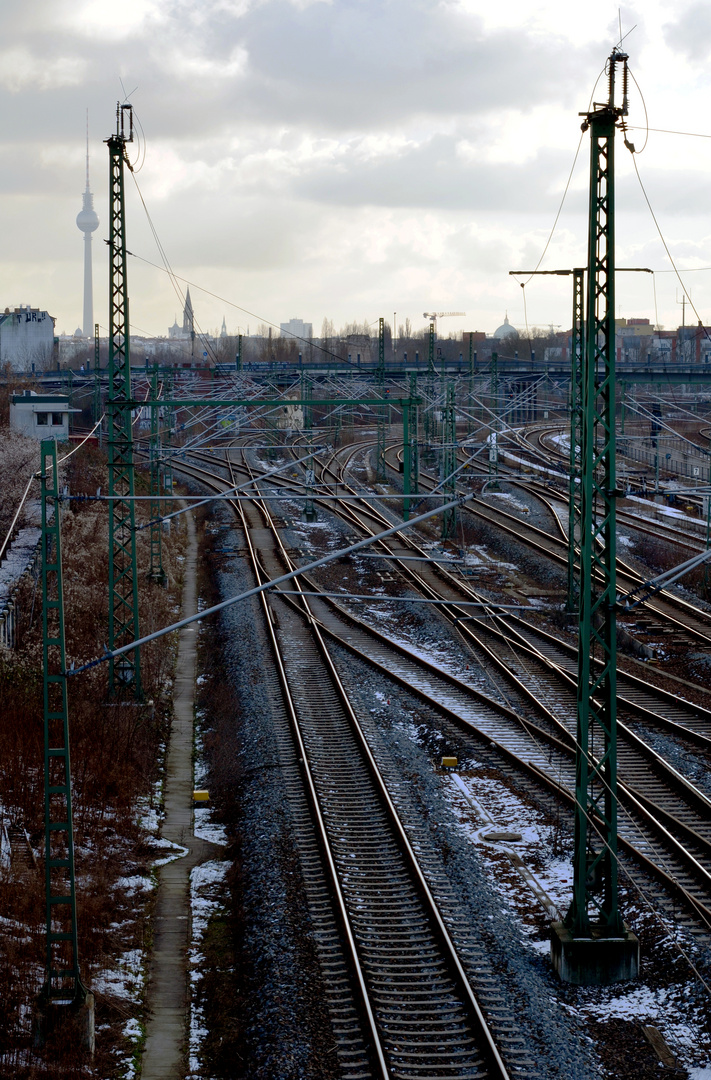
[(187, 330), (297, 328), (88, 222)]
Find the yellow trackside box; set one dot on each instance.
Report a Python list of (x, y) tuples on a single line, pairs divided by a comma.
[(201, 796), (449, 763)]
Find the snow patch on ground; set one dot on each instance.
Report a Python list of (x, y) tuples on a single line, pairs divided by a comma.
[(672, 1009), (667, 1008), (207, 829), (506, 496), (125, 980), (561, 441), (148, 815), (133, 1031), (136, 883), (176, 852), (206, 881), (636, 1003), (18, 558)]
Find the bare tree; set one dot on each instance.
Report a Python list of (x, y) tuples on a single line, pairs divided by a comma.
[(19, 458)]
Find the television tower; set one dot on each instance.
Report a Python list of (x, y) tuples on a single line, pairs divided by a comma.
[(88, 221)]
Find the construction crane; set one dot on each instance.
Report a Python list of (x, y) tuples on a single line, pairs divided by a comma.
[(434, 315)]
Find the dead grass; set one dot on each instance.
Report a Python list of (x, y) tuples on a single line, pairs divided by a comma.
[(116, 754)]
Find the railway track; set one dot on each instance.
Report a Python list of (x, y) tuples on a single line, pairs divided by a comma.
[(657, 706), (675, 716), (507, 631), (648, 780), (655, 529), (413, 1012), (676, 612), (666, 824)]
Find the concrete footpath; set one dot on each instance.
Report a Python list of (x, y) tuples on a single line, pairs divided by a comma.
[(164, 1057)]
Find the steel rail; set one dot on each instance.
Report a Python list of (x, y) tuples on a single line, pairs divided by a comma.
[(559, 672), (636, 799), (639, 685), (645, 712), (461, 587), (491, 1050), (316, 811), (636, 522), (676, 779), (524, 532), (539, 656)]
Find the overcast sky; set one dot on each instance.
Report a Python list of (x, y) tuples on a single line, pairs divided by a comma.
[(349, 158)]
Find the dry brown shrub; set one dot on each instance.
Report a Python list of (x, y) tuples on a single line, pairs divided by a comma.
[(116, 751), (19, 459)]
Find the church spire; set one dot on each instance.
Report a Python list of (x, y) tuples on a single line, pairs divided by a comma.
[(188, 316)]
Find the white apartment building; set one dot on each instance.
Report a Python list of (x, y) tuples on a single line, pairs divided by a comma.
[(26, 338)]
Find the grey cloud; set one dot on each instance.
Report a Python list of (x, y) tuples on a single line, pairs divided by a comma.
[(218, 85), (433, 175), (690, 33), (255, 232), (355, 65), (672, 195), (359, 65)]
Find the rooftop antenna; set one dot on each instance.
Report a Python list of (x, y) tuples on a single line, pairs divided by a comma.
[(125, 95), (623, 36)]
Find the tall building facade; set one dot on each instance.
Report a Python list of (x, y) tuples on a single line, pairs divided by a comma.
[(297, 328), (26, 339)]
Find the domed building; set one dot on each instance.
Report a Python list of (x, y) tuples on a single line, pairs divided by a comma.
[(506, 330)]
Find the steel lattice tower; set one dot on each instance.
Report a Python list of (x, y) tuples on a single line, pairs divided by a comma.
[(309, 470), (472, 375), (97, 379), (167, 438), (382, 412), (449, 461), (576, 379), (63, 983), (414, 436), (428, 419), (595, 887), (125, 672), (156, 571), (494, 420)]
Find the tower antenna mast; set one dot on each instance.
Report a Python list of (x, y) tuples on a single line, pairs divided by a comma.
[(88, 222), (124, 673), (592, 945)]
